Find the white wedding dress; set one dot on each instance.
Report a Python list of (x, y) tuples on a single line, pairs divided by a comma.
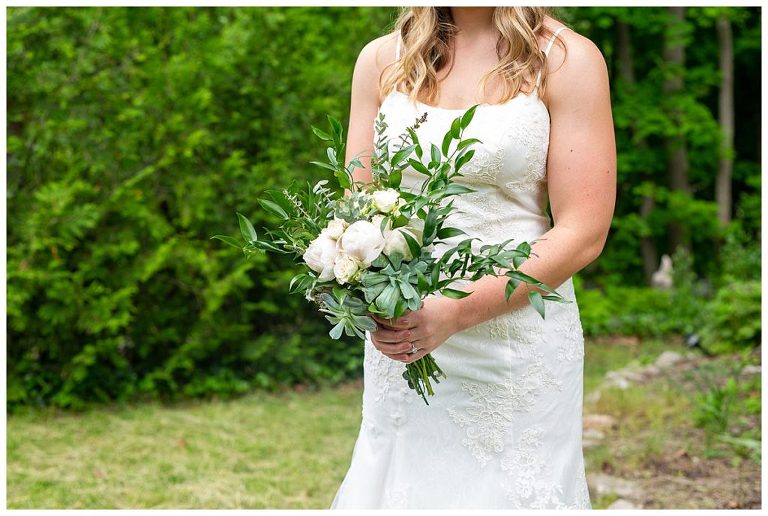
[(503, 430)]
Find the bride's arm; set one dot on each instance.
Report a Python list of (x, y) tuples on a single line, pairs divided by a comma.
[(364, 103), (581, 171)]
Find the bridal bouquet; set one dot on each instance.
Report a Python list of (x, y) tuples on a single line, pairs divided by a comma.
[(369, 250)]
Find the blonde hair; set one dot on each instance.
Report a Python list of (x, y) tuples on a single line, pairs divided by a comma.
[(426, 34)]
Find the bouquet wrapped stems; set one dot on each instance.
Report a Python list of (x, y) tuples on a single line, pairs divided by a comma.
[(419, 373)]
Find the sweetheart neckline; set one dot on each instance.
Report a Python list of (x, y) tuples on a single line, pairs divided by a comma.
[(482, 105)]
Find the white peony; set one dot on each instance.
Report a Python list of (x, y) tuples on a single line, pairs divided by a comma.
[(386, 200), (400, 203), (394, 241), (320, 256), (345, 268), (416, 227), (362, 240), (335, 228), (378, 218)]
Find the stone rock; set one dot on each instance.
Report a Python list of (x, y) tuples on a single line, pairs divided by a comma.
[(750, 369), (622, 504), (591, 437), (599, 421), (633, 375), (593, 397), (668, 359), (652, 370), (617, 379), (602, 484)]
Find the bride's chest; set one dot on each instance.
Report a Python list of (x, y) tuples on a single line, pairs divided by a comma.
[(514, 138)]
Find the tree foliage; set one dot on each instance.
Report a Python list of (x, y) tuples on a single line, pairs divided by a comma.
[(135, 133)]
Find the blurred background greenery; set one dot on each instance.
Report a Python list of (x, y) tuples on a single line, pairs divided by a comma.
[(135, 133)]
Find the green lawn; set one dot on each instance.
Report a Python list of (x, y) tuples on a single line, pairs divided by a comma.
[(260, 451), (275, 450)]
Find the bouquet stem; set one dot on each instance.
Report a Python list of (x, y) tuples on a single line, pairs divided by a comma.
[(420, 372)]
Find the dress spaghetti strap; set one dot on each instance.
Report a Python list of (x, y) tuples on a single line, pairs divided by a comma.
[(546, 50), (397, 49)]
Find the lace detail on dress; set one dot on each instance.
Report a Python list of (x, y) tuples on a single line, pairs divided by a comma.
[(484, 167), (385, 371), (570, 335), (498, 328), (493, 407), (396, 497), (386, 377), (534, 138), (484, 203), (529, 475)]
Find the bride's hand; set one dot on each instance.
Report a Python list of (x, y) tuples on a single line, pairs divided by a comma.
[(426, 328)]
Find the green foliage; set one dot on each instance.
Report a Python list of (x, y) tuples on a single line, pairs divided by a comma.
[(646, 115), (620, 310), (131, 134), (733, 318), (723, 402), (713, 409)]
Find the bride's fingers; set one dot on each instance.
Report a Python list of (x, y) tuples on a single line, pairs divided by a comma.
[(407, 356), (403, 323), (392, 336), (412, 357), (393, 349)]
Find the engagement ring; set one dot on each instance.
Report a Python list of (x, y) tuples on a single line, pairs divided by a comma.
[(414, 349)]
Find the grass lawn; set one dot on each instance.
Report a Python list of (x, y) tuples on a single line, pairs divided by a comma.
[(279, 451), (260, 451)]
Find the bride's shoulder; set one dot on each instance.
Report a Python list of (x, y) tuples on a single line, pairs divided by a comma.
[(573, 46), (379, 52), (576, 61), (374, 57)]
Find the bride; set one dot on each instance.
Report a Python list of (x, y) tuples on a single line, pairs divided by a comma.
[(503, 430)]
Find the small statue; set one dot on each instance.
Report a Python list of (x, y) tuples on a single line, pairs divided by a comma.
[(662, 278)]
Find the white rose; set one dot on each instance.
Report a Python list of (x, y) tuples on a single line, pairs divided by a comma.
[(362, 240), (345, 268), (320, 256), (386, 200), (335, 228)]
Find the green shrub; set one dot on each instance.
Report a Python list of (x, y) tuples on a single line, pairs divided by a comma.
[(135, 134), (627, 311), (733, 318)]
